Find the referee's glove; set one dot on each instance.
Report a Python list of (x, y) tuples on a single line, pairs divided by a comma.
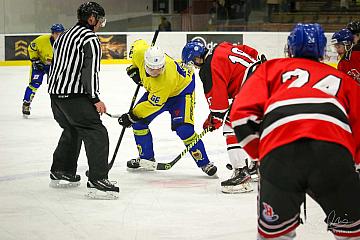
[(127, 119)]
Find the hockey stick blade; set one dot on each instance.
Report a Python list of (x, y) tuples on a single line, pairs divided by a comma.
[(167, 166), (113, 115)]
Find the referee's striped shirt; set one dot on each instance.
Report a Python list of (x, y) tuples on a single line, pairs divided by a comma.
[(76, 64)]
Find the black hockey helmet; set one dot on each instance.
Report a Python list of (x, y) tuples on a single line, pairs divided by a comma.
[(354, 27), (88, 9)]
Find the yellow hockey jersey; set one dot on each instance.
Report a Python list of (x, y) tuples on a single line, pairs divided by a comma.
[(170, 83), (41, 48)]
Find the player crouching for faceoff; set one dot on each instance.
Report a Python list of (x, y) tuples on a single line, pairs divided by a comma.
[(169, 88), (349, 53), (299, 117), (342, 42), (40, 52), (222, 73)]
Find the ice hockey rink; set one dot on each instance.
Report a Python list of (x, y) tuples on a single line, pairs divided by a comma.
[(178, 204)]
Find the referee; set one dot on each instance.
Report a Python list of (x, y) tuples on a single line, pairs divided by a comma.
[(75, 103)]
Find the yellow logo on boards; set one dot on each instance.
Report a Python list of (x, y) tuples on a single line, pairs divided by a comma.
[(21, 48)]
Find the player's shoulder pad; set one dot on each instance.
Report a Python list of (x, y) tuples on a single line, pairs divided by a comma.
[(137, 45), (33, 46)]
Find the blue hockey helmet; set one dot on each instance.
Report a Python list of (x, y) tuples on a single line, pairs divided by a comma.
[(343, 36), (307, 41), (193, 49), (57, 27), (199, 39)]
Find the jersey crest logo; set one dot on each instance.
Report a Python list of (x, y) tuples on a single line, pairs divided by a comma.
[(268, 213), (177, 112), (354, 73), (197, 155), (209, 100)]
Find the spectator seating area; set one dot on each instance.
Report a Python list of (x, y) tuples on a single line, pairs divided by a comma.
[(329, 14)]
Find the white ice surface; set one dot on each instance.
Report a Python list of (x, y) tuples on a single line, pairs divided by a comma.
[(181, 203)]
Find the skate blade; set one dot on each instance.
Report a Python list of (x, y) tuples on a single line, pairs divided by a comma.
[(63, 184), (215, 176), (139, 169), (25, 116), (241, 188), (93, 193), (254, 178), (147, 165)]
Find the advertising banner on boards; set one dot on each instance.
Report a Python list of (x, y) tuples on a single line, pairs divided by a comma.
[(112, 46), (16, 47), (212, 40)]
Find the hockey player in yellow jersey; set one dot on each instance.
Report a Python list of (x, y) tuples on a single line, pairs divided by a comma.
[(169, 88), (40, 53)]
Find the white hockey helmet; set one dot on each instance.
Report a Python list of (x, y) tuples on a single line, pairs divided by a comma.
[(154, 58)]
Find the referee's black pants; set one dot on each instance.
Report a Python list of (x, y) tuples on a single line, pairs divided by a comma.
[(80, 122)]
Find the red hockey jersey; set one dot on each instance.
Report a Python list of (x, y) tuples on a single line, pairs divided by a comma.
[(292, 98), (223, 72), (350, 64)]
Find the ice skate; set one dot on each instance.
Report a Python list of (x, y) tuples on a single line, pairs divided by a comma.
[(238, 183), (253, 170), (64, 180), (139, 163), (210, 169), (26, 109), (102, 189)]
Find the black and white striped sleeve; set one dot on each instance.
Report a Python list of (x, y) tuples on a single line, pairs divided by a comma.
[(91, 68)]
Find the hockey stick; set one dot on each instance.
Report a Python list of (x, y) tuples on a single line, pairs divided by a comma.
[(113, 115), (122, 131), (167, 166), (111, 163)]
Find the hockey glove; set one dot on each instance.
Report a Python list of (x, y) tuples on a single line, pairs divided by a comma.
[(214, 121), (37, 65), (134, 74), (127, 119)]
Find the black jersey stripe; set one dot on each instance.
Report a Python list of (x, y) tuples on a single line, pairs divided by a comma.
[(281, 112), (68, 62)]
